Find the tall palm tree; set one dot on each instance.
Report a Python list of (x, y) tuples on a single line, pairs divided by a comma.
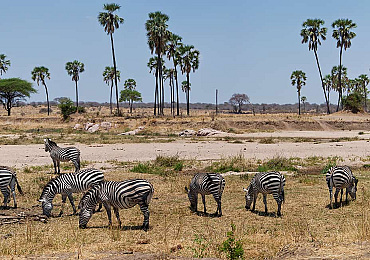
[(186, 87), (304, 99), (157, 34), (298, 78), (328, 85), (313, 33), (189, 60), (40, 74), (153, 68), (342, 33), (4, 64), (168, 75), (338, 75), (173, 52), (108, 77), (364, 81), (111, 22), (74, 69)]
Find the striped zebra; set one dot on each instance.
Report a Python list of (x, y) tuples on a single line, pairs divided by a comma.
[(206, 184), (265, 183), (8, 179), (66, 184), (59, 154), (119, 195), (341, 177)]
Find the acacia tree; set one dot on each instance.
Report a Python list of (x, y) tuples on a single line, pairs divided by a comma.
[(130, 93), (364, 81), (237, 101), (342, 33), (14, 90), (40, 74), (173, 52), (189, 60), (313, 33), (4, 64), (157, 34), (74, 69), (298, 78), (108, 77), (111, 22)]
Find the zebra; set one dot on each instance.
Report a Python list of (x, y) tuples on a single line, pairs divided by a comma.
[(119, 195), (341, 177), (206, 184), (59, 154), (8, 179), (266, 183), (66, 184)]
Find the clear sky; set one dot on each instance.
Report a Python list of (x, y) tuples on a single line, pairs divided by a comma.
[(245, 46)]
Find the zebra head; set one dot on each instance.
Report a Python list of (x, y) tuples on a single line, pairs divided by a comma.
[(87, 205), (353, 188), (248, 197), (49, 144), (47, 206), (192, 198)]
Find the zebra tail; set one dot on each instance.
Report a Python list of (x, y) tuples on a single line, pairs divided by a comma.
[(18, 186), (282, 193)]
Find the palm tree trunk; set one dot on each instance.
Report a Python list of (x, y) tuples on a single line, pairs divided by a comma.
[(130, 103), (156, 92), (299, 102), (47, 97), (162, 108), (365, 107), (115, 72), (340, 77), (110, 100), (177, 93), (322, 83), (76, 97), (188, 95)]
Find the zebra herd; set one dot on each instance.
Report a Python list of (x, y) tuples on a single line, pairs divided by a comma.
[(128, 193)]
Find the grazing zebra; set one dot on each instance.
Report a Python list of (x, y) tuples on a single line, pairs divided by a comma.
[(205, 184), (66, 184), (59, 154), (265, 183), (8, 179), (341, 177), (119, 195)]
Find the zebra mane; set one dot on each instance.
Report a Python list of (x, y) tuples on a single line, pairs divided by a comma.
[(51, 143), (46, 189)]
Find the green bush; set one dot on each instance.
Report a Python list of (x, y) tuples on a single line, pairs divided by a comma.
[(353, 102), (66, 108), (231, 247), (277, 164)]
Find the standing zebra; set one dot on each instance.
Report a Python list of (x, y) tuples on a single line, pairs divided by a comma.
[(59, 154), (265, 183), (205, 184), (341, 177), (8, 179), (119, 195), (66, 184)]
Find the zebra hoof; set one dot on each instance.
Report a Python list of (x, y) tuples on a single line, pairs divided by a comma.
[(82, 226), (145, 227), (279, 214)]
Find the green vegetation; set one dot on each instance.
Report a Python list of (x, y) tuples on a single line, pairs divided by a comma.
[(162, 165), (40, 74), (108, 77), (130, 93), (4, 64), (231, 247), (74, 69), (66, 108), (277, 163), (298, 78)]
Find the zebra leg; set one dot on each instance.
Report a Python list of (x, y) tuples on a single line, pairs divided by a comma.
[(331, 198), (279, 209), (336, 196), (219, 210), (6, 193), (341, 196), (99, 208), (347, 195), (58, 163), (109, 213), (265, 202), (12, 189), (204, 204), (254, 202), (77, 165), (116, 211), (145, 210), (70, 197), (64, 198), (55, 166)]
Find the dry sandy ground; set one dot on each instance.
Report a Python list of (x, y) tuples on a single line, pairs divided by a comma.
[(350, 151)]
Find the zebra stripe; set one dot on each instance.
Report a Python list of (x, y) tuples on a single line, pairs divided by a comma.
[(59, 154), (66, 184), (8, 179), (119, 195), (341, 177), (206, 184), (265, 183)]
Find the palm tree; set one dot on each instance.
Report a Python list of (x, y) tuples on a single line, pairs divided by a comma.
[(185, 86), (298, 78), (189, 60), (342, 33), (74, 69), (4, 64), (40, 74), (328, 85), (168, 75), (173, 52), (130, 84), (157, 33), (364, 81), (108, 77), (312, 32), (304, 99), (111, 22), (338, 76)]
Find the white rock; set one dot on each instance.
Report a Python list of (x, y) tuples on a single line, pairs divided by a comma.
[(93, 128)]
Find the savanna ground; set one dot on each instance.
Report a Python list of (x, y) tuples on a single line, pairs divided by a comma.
[(308, 229)]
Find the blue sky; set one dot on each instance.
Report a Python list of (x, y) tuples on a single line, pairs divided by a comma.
[(248, 47)]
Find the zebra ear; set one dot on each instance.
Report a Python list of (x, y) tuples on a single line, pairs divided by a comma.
[(41, 200)]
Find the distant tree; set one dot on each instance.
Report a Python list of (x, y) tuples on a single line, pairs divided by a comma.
[(342, 33), (40, 74), (66, 107), (339, 75), (298, 78), (304, 99), (364, 81), (168, 74), (328, 85), (189, 60), (237, 101), (353, 102), (130, 84), (186, 87), (111, 22), (14, 90), (313, 33), (4, 64), (108, 77), (130, 93), (74, 69)]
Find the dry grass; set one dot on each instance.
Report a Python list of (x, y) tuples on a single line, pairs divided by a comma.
[(306, 221)]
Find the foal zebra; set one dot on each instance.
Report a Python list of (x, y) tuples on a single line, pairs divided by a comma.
[(119, 195), (265, 183), (205, 184), (59, 154), (66, 184), (8, 179), (341, 177)]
